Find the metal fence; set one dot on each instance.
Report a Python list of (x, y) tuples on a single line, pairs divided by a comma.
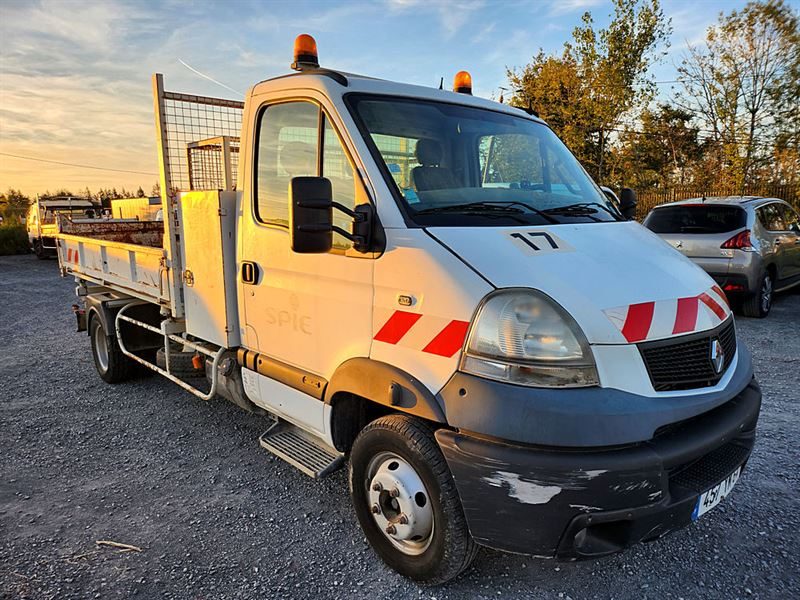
[(652, 197)]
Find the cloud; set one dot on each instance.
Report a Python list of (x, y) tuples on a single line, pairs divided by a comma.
[(452, 15), (563, 7)]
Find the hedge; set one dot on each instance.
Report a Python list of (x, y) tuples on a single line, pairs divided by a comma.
[(13, 240)]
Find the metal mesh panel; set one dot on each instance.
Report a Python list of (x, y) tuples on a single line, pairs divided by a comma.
[(207, 166), (189, 118)]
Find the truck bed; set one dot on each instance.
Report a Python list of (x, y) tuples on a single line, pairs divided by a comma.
[(127, 256)]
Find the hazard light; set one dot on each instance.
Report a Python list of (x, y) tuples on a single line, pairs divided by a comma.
[(462, 83), (305, 53)]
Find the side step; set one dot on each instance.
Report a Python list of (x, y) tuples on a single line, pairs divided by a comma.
[(301, 449)]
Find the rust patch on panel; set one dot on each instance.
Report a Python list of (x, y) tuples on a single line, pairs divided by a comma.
[(142, 233)]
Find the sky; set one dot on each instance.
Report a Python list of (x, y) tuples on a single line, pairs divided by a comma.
[(75, 75)]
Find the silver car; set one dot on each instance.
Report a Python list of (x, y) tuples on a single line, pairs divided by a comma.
[(749, 245)]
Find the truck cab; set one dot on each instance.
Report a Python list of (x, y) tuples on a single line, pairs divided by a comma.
[(40, 221), (428, 287)]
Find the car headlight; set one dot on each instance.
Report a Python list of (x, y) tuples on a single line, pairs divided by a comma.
[(524, 337)]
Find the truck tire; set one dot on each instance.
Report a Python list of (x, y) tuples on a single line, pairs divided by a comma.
[(406, 500), (112, 365), (38, 250), (180, 364), (759, 304)]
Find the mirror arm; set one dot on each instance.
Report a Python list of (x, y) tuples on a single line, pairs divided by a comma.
[(362, 222), (357, 217)]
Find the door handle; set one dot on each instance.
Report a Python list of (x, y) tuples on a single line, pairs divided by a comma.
[(250, 272)]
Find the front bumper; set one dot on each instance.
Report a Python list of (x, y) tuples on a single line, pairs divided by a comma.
[(589, 502)]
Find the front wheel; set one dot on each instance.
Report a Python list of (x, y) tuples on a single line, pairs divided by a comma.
[(38, 250), (406, 500)]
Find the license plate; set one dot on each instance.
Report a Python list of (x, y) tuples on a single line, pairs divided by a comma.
[(714, 496)]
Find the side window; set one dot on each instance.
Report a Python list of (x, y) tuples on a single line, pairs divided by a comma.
[(337, 168), (790, 218), (510, 161), (288, 137), (771, 217)]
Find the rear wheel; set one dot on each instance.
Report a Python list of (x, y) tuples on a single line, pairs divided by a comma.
[(112, 365), (406, 500), (759, 304)]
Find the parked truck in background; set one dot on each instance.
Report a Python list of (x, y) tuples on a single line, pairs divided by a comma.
[(41, 220), (141, 209), (427, 287)]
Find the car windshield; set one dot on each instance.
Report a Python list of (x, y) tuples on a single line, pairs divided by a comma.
[(696, 218), (455, 165)]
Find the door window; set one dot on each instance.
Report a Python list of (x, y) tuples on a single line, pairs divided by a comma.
[(771, 217), (288, 138), (790, 218)]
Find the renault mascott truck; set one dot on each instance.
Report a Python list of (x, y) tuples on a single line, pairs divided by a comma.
[(427, 287)]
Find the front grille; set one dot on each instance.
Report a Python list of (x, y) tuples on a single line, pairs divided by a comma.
[(711, 469), (684, 363)]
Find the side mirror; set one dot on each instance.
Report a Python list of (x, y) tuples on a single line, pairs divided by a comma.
[(627, 203), (610, 194), (311, 215), (311, 225)]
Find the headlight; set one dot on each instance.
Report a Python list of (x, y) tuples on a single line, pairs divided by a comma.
[(524, 337)]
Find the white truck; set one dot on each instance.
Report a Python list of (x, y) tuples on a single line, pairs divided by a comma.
[(41, 225), (427, 287)]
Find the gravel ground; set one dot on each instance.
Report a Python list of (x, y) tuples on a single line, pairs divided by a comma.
[(216, 516)]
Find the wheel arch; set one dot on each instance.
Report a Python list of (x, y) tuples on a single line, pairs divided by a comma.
[(362, 390)]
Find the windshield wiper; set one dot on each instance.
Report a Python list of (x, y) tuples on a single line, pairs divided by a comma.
[(488, 207), (581, 209)]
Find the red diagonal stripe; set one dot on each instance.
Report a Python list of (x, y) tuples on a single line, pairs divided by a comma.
[(69, 254), (449, 340), (686, 317), (397, 326), (638, 321), (722, 294), (713, 305)]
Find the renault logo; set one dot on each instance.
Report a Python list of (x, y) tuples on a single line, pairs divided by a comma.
[(717, 355)]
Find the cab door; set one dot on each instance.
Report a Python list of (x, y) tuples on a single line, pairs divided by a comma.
[(304, 314)]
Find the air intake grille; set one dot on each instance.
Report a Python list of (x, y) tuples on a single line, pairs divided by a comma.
[(685, 363)]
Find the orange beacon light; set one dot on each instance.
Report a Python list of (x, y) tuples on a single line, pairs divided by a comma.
[(305, 53), (462, 83)]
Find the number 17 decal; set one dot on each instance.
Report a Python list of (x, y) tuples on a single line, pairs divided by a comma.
[(539, 242)]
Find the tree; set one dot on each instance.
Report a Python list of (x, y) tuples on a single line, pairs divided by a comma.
[(744, 82), (140, 192), (14, 204), (662, 151), (600, 78)]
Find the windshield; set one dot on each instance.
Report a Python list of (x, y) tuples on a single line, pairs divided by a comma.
[(455, 165), (696, 218)]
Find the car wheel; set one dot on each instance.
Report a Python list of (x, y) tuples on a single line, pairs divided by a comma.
[(406, 500), (759, 304)]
